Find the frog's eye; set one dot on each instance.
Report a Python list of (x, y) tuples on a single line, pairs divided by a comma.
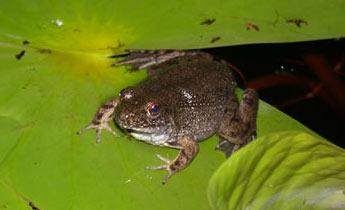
[(126, 93), (153, 109)]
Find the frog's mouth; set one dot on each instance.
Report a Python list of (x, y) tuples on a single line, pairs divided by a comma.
[(156, 136)]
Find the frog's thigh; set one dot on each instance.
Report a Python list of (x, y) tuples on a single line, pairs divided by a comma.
[(238, 125)]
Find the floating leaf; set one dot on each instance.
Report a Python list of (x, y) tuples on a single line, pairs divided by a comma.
[(289, 170)]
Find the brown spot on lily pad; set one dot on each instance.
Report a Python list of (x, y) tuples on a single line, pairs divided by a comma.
[(252, 26), (20, 55), (26, 125), (208, 21), (32, 205), (214, 39), (43, 51), (298, 22), (25, 42)]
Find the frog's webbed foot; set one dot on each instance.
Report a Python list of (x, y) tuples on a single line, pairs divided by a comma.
[(141, 59), (229, 148), (103, 116), (189, 149), (225, 146)]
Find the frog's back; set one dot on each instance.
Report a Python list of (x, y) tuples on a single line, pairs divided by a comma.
[(197, 75), (196, 90)]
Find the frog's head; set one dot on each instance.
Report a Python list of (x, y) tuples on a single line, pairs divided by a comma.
[(144, 116)]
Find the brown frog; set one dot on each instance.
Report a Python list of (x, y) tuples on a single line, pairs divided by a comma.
[(187, 97)]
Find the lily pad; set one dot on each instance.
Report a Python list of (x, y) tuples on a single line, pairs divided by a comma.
[(55, 72), (289, 170)]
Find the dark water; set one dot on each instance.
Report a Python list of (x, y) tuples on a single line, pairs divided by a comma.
[(256, 61)]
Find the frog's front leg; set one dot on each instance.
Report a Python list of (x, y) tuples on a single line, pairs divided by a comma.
[(238, 126), (188, 150), (102, 117)]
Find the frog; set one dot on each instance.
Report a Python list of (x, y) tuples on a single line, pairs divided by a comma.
[(187, 97)]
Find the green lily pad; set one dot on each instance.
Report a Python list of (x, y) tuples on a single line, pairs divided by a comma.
[(96, 26), (55, 73), (289, 170)]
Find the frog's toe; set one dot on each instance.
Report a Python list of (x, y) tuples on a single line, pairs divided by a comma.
[(85, 129), (98, 128), (162, 167), (168, 167), (108, 128), (225, 146), (165, 160)]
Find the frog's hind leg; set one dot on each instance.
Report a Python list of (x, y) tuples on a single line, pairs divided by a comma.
[(141, 59), (238, 127), (102, 118), (188, 150)]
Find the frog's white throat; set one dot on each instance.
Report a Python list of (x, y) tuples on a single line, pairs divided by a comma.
[(156, 136), (152, 138)]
